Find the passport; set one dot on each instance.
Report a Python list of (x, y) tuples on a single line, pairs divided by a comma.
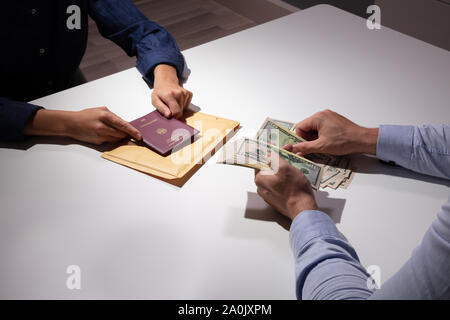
[(162, 134)]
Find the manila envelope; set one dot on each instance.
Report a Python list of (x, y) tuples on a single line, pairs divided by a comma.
[(177, 167)]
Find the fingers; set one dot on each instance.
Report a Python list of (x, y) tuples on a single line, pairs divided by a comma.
[(107, 130), (161, 106), (189, 98), (263, 193), (270, 178), (308, 127), (305, 148), (288, 147), (118, 123), (175, 106)]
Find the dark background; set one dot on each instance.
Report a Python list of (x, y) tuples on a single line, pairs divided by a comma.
[(356, 7)]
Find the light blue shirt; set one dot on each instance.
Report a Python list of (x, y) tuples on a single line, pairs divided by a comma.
[(327, 266)]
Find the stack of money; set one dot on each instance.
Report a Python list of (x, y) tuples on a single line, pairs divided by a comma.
[(322, 170)]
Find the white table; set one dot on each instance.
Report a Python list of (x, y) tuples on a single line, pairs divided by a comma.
[(134, 236)]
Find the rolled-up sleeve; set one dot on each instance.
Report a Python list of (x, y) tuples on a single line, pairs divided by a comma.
[(121, 22), (13, 118)]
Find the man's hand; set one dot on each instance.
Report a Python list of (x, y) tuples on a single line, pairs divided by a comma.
[(168, 96), (331, 133), (287, 190), (95, 125)]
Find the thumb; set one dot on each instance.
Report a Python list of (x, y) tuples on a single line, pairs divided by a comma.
[(307, 147)]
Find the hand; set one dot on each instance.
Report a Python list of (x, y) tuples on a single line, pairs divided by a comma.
[(331, 133), (99, 125), (168, 96), (287, 190), (95, 125)]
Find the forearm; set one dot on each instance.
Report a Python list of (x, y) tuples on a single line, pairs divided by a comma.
[(326, 265), (121, 22), (49, 123)]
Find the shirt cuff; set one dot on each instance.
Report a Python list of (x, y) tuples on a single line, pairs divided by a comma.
[(149, 61), (395, 144), (310, 224), (13, 117)]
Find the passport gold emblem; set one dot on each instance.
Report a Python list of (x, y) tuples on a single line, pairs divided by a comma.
[(161, 131)]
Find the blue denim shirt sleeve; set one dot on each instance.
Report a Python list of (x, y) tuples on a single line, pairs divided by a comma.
[(121, 22), (327, 266), (13, 117)]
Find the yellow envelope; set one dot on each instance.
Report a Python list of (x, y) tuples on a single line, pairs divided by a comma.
[(177, 167)]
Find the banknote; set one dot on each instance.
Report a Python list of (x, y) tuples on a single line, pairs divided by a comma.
[(272, 133), (336, 169), (253, 153), (322, 170), (333, 177), (285, 124)]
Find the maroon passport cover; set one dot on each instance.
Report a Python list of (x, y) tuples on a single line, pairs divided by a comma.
[(162, 134)]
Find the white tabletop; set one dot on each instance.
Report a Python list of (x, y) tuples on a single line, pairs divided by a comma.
[(134, 236)]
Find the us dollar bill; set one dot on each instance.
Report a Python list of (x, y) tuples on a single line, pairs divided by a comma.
[(336, 170), (321, 170), (285, 124), (253, 153), (274, 134)]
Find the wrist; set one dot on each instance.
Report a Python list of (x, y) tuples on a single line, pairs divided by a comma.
[(367, 140), (296, 206), (49, 123), (165, 73)]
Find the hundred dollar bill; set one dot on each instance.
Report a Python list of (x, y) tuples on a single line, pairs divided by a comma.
[(285, 124), (336, 169), (253, 153), (272, 133)]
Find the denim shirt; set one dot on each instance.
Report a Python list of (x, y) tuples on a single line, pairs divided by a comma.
[(327, 266), (43, 43)]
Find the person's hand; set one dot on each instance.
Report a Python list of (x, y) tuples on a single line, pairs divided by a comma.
[(168, 96), (95, 125), (287, 190), (329, 132), (99, 125)]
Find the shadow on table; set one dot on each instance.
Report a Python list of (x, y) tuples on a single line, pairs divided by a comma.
[(258, 209), (371, 165), (62, 141)]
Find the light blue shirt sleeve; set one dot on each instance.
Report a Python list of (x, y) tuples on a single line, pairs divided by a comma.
[(327, 266), (424, 149)]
